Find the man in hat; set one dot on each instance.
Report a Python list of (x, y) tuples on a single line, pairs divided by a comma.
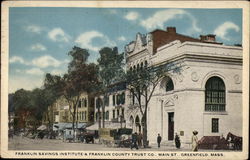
[(159, 140), (134, 141), (195, 141)]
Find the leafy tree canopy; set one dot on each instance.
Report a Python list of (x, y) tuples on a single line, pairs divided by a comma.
[(111, 66)]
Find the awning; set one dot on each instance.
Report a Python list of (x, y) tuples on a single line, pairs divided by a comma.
[(111, 125), (42, 127), (62, 126)]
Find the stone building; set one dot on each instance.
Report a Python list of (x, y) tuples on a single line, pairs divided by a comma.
[(115, 102), (59, 114), (205, 95)]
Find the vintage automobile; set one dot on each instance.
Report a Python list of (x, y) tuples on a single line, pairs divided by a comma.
[(213, 142)]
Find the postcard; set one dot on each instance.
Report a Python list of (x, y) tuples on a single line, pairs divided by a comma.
[(125, 79)]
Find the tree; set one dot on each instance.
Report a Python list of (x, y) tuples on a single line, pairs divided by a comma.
[(22, 107), (81, 77), (41, 99), (142, 83), (110, 71)]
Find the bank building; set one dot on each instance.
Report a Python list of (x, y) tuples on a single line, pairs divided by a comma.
[(206, 95)]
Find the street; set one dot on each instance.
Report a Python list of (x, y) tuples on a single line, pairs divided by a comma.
[(24, 143)]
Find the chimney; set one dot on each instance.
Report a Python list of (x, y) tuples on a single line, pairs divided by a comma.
[(208, 38), (171, 29)]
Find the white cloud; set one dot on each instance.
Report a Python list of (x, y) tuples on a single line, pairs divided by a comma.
[(16, 59), (26, 82), (85, 40), (163, 16), (58, 35), (131, 16), (38, 47), (222, 30), (121, 38), (57, 72), (34, 71), (34, 29), (46, 61)]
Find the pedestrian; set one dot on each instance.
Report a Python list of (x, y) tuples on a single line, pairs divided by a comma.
[(140, 139), (195, 141), (134, 141), (177, 141), (159, 140)]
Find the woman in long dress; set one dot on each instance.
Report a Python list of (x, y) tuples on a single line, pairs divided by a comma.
[(195, 141)]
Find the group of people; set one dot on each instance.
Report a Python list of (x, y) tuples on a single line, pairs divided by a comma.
[(137, 138)]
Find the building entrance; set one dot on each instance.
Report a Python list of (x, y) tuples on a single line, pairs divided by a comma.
[(171, 126)]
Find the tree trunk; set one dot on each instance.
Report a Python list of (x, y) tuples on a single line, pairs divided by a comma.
[(99, 117), (103, 115), (145, 131), (73, 122)]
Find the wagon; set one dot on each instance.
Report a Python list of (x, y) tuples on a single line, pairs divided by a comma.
[(213, 142)]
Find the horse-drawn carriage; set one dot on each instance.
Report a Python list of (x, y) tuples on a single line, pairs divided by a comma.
[(235, 141), (219, 142), (115, 137)]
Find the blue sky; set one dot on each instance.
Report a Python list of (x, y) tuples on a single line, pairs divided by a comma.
[(40, 38)]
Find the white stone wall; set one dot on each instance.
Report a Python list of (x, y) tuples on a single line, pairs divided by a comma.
[(188, 102)]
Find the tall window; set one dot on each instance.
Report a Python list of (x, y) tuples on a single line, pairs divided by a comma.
[(113, 100), (79, 104), (106, 100), (215, 95), (215, 125), (169, 85), (85, 102), (107, 115), (118, 113), (113, 113)]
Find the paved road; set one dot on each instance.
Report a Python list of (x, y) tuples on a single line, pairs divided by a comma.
[(24, 143)]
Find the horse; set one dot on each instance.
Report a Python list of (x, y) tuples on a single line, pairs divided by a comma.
[(236, 140)]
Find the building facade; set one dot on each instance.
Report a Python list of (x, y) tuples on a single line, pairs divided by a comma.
[(59, 112), (115, 102), (204, 95)]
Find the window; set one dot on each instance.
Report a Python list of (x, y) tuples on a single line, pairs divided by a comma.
[(85, 102), (169, 85), (113, 113), (123, 98), (122, 112), (79, 104), (107, 115), (146, 64), (85, 115), (82, 115), (215, 125), (106, 101), (133, 96), (215, 95), (113, 100), (118, 112)]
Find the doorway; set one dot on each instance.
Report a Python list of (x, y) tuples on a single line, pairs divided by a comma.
[(171, 126)]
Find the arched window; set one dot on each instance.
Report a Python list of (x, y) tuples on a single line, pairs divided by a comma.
[(146, 64), (215, 94), (169, 84), (137, 121), (141, 65), (138, 67), (131, 121)]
